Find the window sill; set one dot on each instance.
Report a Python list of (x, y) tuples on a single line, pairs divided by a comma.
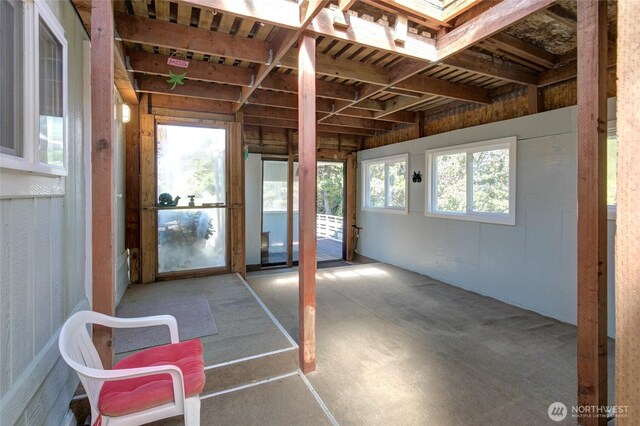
[(385, 210), (20, 165), (495, 220), (26, 184)]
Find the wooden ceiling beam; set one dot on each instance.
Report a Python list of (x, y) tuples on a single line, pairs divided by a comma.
[(291, 114), (396, 117), (282, 42), (373, 35), (191, 88), (446, 89), (339, 67), (563, 16), (281, 13), (402, 103), (151, 63), (453, 9), (496, 68), (570, 70), (189, 39), (494, 20), (392, 9), (293, 124), (531, 53), (190, 104)]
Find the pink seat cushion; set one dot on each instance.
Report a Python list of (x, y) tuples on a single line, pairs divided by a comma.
[(127, 396)]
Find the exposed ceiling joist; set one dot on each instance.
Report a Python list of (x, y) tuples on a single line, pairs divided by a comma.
[(494, 20), (370, 34), (193, 89), (531, 53), (446, 89), (152, 63), (189, 39), (293, 124), (280, 13)]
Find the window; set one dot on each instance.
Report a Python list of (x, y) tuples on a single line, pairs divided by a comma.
[(475, 181), (33, 113), (612, 147), (385, 184)]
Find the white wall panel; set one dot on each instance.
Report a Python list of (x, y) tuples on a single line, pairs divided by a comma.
[(531, 264)]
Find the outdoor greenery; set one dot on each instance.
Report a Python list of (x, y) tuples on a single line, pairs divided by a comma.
[(490, 182), (330, 193), (451, 172), (395, 187)]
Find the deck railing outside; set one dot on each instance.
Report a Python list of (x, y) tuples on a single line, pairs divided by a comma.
[(329, 226)]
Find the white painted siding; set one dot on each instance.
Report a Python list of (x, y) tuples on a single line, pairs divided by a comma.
[(253, 209), (532, 264), (42, 262)]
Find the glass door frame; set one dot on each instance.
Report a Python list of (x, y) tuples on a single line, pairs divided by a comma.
[(289, 247), (290, 211), (209, 124), (344, 208)]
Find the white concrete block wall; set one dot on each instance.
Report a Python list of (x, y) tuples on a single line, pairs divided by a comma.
[(531, 264)]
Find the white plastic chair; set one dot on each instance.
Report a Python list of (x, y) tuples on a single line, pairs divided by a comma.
[(78, 351)]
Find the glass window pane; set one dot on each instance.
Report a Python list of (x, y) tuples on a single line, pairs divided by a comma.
[(451, 178), (191, 239), (397, 184), (11, 17), (491, 181), (192, 161), (376, 185), (51, 148), (612, 146)]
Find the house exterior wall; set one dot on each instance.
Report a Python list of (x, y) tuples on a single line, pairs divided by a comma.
[(531, 264), (42, 262)]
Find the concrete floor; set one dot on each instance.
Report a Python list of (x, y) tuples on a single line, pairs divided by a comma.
[(244, 328), (399, 348)]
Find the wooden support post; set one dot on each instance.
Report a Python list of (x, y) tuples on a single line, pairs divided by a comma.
[(351, 208), (148, 218), (132, 185), (534, 99), (592, 207), (102, 169), (236, 195), (628, 216), (290, 178), (307, 210)]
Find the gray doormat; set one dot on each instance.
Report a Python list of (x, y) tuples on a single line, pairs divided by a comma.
[(192, 313)]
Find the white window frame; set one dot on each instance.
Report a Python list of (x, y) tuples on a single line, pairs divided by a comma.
[(469, 149), (365, 184), (29, 161)]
